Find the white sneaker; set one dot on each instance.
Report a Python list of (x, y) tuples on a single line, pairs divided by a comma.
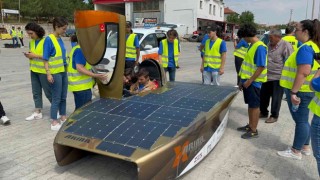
[(61, 121), (290, 154), (306, 152), (55, 127), (34, 116), (5, 119)]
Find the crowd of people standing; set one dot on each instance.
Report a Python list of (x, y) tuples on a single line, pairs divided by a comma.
[(288, 65)]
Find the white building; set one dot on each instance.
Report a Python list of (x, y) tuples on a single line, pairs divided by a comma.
[(189, 14)]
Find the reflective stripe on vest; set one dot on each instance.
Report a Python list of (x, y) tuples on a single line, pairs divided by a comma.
[(131, 51), (248, 68), (56, 62), (314, 105), (165, 52), (212, 57), (292, 40), (37, 65), (240, 52), (76, 80), (290, 69)]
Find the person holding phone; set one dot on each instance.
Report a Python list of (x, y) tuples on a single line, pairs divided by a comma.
[(54, 56), (38, 74)]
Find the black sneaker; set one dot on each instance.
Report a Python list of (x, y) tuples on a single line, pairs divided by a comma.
[(250, 134), (245, 128)]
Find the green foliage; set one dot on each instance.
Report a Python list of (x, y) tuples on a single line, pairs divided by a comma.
[(246, 17), (47, 9), (233, 18), (281, 26)]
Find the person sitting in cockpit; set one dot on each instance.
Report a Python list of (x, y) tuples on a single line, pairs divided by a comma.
[(143, 84)]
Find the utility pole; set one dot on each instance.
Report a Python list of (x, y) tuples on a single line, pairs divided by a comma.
[(291, 11), (312, 12), (1, 13), (19, 11), (307, 9), (319, 12)]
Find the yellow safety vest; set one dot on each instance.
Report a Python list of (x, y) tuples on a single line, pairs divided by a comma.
[(248, 68), (13, 33), (292, 40), (56, 63), (314, 105), (212, 57), (76, 80), (165, 52), (131, 51), (290, 69), (240, 52), (20, 34), (37, 65)]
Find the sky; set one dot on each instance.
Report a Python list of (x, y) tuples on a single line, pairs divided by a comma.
[(272, 12)]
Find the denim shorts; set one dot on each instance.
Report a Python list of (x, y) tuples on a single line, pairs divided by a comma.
[(252, 96)]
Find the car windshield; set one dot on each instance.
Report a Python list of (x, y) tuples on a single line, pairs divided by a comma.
[(265, 39), (112, 40), (166, 25)]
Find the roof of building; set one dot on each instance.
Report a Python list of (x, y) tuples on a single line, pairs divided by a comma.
[(227, 10)]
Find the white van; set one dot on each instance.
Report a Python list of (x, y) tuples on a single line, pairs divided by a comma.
[(149, 40), (265, 37)]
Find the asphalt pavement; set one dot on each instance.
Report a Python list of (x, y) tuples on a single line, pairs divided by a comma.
[(26, 148)]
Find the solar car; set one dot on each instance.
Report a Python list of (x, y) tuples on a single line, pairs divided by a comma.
[(163, 133)]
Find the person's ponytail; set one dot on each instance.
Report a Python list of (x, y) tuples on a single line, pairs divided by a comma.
[(316, 32)]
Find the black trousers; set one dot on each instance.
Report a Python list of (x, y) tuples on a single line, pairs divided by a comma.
[(275, 91), (21, 41), (129, 64), (238, 62), (2, 113)]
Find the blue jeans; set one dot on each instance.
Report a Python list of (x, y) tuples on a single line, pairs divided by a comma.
[(38, 82), (315, 139), (82, 97), (172, 73), (59, 90), (300, 117), (15, 39)]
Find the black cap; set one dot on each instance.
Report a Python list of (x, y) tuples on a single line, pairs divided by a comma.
[(128, 24)]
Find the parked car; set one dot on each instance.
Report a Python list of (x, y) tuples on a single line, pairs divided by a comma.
[(265, 37), (70, 32), (149, 40), (4, 34)]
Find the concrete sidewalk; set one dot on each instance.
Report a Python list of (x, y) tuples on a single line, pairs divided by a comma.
[(26, 150)]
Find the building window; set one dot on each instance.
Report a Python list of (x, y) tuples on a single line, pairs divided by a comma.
[(220, 12), (214, 10), (150, 5), (210, 9), (201, 2)]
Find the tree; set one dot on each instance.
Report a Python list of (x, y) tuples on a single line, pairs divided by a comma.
[(47, 9), (246, 17), (233, 18)]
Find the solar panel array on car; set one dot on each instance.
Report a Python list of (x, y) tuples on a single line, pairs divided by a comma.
[(138, 121)]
